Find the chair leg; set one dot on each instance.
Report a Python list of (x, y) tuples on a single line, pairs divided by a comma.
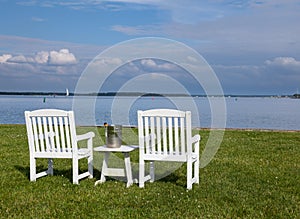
[(189, 176), (196, 169), (90, 166), (32, 169), (75, 171), (50, 166), (152, 168), (141, 173)]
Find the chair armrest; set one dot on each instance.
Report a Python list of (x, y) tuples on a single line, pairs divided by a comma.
[(195, 138), (85, 136), (195, 143), (89, 137)]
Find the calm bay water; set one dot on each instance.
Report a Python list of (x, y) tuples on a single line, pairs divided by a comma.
[(257, 113)]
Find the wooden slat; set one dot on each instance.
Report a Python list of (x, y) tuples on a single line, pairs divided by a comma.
[(62, 133), (35, 134), (170, 130), (147, 140), (45, 133), (41, 134), (164, 134), (57, 136), (67, 130), (158, 134), (152, 127), (51, 133), (176, 136), (182, 135)]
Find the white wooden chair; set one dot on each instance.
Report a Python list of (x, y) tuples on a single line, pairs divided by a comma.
[(166, 135), (52, 134)]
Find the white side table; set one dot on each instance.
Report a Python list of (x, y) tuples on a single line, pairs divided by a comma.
[(110, 171)]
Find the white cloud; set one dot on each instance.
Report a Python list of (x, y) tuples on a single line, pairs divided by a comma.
[(21, 59), (106, 61), (37, 19), (264, 27), (129, 30), (62, 57), (284, 61), (158, 66), (5, 57), (42, 57), (148, 63), (235, 33)]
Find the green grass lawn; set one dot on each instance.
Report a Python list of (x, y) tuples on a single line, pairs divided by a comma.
[(255, 174)]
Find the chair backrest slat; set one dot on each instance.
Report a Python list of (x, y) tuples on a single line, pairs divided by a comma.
[(152, 133), (170, 131), (41, 134), (35, 137), (158, 133), (51, 134), (182, 135), (45, 134), (57, 137), (164, 134), (176, 134), (67, 130), (62, 133), (146, 131)]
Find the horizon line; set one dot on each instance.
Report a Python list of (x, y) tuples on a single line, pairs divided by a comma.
[(46, 93)]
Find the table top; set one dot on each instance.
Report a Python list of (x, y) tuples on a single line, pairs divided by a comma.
[(123, 148)]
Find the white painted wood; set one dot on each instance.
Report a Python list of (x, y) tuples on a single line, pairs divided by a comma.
[(52, 134), (112, 171), (170, 139)]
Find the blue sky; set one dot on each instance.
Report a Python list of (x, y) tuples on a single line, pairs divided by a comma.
[(253, 46)]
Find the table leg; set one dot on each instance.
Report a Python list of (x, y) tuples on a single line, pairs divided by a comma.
[(106, 171), (128, 169), (104, 168)]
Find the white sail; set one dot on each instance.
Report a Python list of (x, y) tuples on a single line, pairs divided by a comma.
[(67, 92)]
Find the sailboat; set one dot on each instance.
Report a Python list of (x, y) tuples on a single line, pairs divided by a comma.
[(67, 92)]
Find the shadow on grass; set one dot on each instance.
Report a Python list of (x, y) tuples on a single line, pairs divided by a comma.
[(24, 170), (56, 172), (175, 179)]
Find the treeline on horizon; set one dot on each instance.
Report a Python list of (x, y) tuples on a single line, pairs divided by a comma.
[(32, 93), (88, 94)]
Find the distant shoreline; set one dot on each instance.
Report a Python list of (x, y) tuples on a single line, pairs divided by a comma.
[(16, 93), (194, 128)]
